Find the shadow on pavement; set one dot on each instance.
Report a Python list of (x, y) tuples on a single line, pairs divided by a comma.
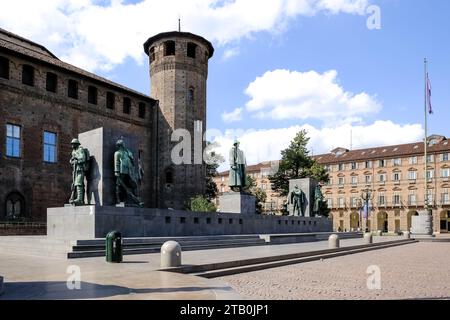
[(58, 290)]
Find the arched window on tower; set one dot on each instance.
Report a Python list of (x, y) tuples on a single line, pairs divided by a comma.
[(191, 96), (169, 176), (191, 49), (152, 54), (169, 48), (15, 206)]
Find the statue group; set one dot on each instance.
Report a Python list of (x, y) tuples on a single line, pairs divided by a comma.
[(124, 172), (299, 201)]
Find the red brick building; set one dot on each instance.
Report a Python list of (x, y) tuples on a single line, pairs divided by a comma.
[(45, 102)]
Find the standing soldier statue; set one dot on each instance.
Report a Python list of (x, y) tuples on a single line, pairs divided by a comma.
[(237, 177), (124, 170), (297, 199), (318, 199), (78, 161)]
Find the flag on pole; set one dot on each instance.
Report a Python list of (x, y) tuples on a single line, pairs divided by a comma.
[(430, 108)]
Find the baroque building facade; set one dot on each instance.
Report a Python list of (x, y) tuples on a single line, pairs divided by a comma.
[(45, 102), (394, 179), (392, 176)]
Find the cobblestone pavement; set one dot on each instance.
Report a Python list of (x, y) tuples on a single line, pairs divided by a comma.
[(414, 271)]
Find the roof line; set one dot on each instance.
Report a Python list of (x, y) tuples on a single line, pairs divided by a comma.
[(10, 34)]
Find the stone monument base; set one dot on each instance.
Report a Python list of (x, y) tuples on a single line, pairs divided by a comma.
[(422, 225), (1, 285), (92, 222), (237, 202)]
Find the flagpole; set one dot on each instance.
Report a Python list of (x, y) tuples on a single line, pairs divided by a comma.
[(426, 137)]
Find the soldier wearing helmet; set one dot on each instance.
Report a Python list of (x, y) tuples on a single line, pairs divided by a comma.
[(125, 172), (78, 162)]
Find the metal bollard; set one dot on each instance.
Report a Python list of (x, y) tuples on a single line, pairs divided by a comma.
[(407, 235), (170, 254), (368, 239), (333, 241), (379, 233)]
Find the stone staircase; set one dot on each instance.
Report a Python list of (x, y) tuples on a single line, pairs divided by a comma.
[(96, 248)]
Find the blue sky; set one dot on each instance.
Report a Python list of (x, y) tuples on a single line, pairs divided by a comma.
[(376, 91)]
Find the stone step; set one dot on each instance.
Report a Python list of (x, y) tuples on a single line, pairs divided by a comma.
[(161, 240), (158, 244), (156, 249), (236, 267)]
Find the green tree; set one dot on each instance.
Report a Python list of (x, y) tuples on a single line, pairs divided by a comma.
[(202, 204), (259, 194), (296, 163), (213, 161)]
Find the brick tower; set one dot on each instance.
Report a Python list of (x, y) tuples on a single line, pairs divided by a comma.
[(178, 74)]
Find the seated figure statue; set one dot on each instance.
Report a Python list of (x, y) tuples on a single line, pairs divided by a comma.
[(124, 170)]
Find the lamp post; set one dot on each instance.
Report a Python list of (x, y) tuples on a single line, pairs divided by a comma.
[(366, 195)]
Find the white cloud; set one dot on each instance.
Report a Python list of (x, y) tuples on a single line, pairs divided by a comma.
[(284, 94), (97, 34), (265, 145), (230, 53), (233, 116)]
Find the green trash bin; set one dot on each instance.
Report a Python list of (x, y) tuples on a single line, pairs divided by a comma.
[(114, 247)]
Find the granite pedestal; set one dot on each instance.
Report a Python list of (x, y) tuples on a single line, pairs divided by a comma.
[(92, 222), (236, 202)]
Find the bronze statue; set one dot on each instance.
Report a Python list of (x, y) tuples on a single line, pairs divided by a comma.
[(297, 199), (237, 177), (79, 161), (124, 170), (318, 198)]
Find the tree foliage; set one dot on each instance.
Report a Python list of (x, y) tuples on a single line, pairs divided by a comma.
[(259, 194), (296, 163), (202, 204), (213, 161)]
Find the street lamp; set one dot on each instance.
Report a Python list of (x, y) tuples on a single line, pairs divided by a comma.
[(366, 195)]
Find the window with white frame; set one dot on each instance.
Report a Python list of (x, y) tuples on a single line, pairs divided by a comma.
[(413, 160), (354, 180), (354, 165), (396, 200), (412, 175), (341, 181), (445, 196), (382, 177), (382, 163), (430, 174), (341, 202), (354, 202), (368, 179), (430, 158), (368, 164), (412, 198), (397, 162), (381, 199), (445, 173), (330, 203), (430, 197), (397, 176), (341, 167)]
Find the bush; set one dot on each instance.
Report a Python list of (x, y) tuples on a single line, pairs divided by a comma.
[(201, 204)]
